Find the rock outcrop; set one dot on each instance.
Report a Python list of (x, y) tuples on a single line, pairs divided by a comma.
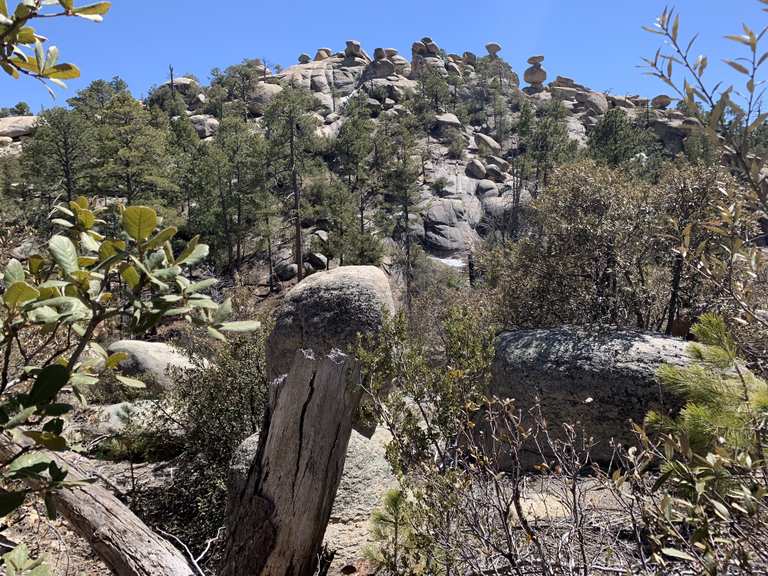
[(598, 381), (15, 127), (150, 360)]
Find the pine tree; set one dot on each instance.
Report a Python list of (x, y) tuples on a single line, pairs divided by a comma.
[(291, 136), (133, 154), (57, 157)]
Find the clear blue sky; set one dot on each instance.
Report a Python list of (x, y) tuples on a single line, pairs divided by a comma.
[(597, 42)]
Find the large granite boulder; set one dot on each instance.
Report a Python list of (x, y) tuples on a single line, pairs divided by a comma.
[(260, 96), (599, 381), (151, 361), (328, 310), (17, 126), (205, 125)]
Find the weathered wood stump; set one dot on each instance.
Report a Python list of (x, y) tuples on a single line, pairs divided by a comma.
[(277, 520)]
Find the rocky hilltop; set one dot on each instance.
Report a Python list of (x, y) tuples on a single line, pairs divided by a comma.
[(460, 198)]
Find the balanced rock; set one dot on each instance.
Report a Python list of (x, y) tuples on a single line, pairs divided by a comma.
[(597, 381), (493, 49), (661, 102), (304, 58), (328, 310), (535, 75), (469, 58), (355, 50)]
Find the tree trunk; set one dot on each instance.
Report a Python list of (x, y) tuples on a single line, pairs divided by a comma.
[(277, 518), (677, 272), (125, 544)]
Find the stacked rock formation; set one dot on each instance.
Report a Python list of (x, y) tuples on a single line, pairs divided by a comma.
[(535, 75)]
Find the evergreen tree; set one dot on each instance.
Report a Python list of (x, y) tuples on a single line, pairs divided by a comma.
[(133, 154), (290, 131), (616, 140), (401, 182), (548, 143), (93, 100), (57, 157)]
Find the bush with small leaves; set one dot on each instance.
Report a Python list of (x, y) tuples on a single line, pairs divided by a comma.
[(56, 302)]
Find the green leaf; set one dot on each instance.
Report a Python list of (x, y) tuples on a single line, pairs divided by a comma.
[(130, 382), (114, 360), (161, 237), (242, 326), (19, 293), (29, 460), (48, 439), (738, 67), (14, 272), (200, 252), (130, 275), (64, 253), (63, 72), (224, 311), (202, 285), (99, 9), (49, 381), (139, 222), (216, 334), (10, 501), (191, 245), (19, 418)]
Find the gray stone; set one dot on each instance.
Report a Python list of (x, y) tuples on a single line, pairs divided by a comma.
[(260, 96), (661, 102), (447, 120), (487, 188), (205, 125), (594, 102), (327, 310), (382, 68), (305, 58), (17, 126), (597, 380), (493, 172), (475, 169), (286, 271), (317, 260), (151, 361), (486, 143)]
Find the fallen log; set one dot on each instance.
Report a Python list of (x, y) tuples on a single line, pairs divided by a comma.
[(119, 537)]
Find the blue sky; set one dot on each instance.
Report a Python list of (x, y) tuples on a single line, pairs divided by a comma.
[(597, 42)]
